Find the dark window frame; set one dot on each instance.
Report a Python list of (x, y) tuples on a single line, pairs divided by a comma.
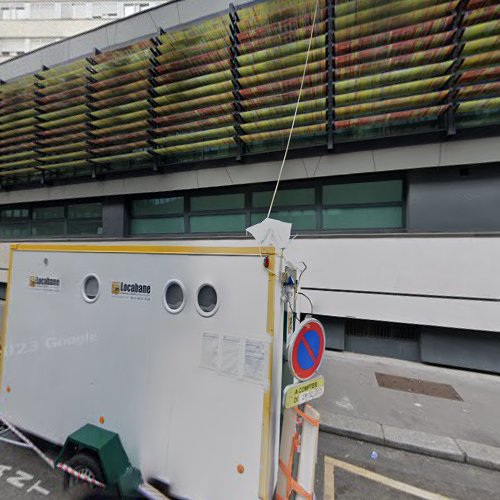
[(29, 222), (249, 210)]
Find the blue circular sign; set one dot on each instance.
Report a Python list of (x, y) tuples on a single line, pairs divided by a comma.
[(306, 349)]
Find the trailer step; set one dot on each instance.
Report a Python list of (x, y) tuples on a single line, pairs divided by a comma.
[(150, 492)]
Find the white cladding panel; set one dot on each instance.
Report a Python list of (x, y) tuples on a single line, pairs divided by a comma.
[(450, 282), (127, 359), (453, 266), (441, 281)]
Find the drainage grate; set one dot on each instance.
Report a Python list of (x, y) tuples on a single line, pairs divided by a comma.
[(417, 386), (381, 330)]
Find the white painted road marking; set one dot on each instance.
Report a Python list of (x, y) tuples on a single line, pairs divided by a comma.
[(329, 481), (20, 479)]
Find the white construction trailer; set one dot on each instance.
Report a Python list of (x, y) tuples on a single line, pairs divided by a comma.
[(177, 350)]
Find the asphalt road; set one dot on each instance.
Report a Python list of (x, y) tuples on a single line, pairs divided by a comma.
[(24, 475), (347, 470), (393, 473)]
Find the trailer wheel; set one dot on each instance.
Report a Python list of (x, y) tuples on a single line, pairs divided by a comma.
[(84, 464)]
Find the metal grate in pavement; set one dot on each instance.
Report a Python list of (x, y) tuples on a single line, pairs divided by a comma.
[(417, 386)]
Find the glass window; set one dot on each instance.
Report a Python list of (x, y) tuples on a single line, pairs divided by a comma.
[(158, 225), (287, 197), (13, 45), (158, 206), (83, 219), (301, 219), (14, 213), (85, 211), (48, 213), (129, 9), (218, 202), (15, 10), (363, 218), (66, 11), (91, 288), (43, 10), (103, 10), (363, 192), (14, 230), (207, 300), (84, 227), (132, 8), (74, 10), (224, 223), (174, 296), (48, 228)]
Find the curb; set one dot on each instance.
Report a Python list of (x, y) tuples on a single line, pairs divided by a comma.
[(457, 450)]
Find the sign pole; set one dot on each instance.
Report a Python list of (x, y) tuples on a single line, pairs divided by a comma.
[(306, 347)]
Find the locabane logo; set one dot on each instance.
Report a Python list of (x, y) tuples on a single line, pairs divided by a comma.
[(132, 291), (44, 283)]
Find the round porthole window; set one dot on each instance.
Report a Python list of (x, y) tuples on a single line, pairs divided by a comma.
[(91, 288), (174, 296), (207, 301)]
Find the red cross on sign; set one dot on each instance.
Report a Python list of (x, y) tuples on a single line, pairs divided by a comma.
[(306, 348)]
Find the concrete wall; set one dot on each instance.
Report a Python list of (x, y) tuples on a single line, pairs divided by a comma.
[(454, 200), (47, 28), (334, 332), (474, 350), (114, 218), (399, 349)]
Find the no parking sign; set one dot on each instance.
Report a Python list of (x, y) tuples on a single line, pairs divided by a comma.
[(306, 349)]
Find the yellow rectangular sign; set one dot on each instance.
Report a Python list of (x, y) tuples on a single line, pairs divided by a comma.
[(298, 394)]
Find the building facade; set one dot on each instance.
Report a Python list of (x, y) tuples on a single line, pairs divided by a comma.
[(29, 25), (171, 125)]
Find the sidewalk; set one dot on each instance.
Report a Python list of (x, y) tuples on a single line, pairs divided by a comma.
[(355, 405)]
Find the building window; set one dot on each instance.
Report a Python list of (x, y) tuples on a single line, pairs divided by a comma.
[(74, 10), (363, 205), (48, 221), (132, 8), (104, 10), (83, 219), (218, 223), (15, 223), (13, 11), (43, 10), (222, 213), (157, 216), (290, 205), (11, 46), (316, 207)]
